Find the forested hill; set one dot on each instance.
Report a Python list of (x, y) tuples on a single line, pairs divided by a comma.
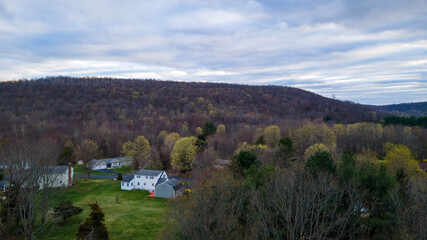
[(63, 108), (89, 98), (406, 109)]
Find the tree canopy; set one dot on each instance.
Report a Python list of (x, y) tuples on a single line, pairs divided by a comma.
[(139, 150), (183, 152)]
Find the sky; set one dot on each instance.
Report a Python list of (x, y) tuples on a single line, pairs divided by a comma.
[(369, 52)]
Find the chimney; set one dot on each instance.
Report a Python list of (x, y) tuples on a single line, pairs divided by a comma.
[(70, 181)]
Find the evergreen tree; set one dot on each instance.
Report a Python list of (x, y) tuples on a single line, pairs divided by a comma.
[(284, 156), (347, 167), (208, 129), (119, 177), (201, 143), (321, 162), (260, 141), (243, 161), (93, 227)]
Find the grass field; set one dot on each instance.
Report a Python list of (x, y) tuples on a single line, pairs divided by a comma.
[(135, 216), (80, 170), (123, 170)]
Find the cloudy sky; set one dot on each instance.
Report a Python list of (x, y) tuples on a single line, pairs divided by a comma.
[(371, 52)]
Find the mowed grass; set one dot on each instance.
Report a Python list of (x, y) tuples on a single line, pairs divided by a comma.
[(80, 170), (123, 170), (135, 216)]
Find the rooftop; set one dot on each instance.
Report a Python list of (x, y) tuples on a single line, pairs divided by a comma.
[(175, 183), (128, 178), (111, 160), (58, 169), (148, 172)]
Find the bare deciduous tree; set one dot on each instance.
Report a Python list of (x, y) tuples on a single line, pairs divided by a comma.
[(86, 151), (295, 205), (27, 164)]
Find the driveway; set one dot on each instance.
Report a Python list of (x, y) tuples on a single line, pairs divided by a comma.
[(107, 171)]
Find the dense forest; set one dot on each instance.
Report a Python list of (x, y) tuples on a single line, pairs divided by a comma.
[(407, 121), (111, 112)]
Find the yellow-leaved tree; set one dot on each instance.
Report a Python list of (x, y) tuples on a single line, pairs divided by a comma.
[(220, 129), (318, 147), (309, 134), (199, 131), (86, 151), (272, 135), (138, 150), (244, 146), (183, 153), (400, 157)]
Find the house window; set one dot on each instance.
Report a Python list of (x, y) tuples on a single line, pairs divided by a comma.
[(138, 183), (131, 184), (123, 184), (60, 181), (145, 184), (152, 184), (146, 177), (128, 184), (151, 177)]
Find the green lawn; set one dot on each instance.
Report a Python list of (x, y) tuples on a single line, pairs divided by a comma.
[(136, 216), (80, 170), (123, 170)]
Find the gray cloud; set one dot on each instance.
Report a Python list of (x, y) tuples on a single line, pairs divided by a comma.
[(372, 52)]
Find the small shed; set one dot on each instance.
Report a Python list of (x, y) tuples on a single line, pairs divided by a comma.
[(168, 189)]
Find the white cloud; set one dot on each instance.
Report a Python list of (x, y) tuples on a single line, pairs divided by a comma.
[(356, 50)]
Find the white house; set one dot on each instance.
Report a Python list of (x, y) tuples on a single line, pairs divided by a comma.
[(55, 176), (108, 163), (58, 176), (144, 180)]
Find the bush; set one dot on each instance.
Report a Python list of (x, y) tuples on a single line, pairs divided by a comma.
[(66, 210), (119, 177)]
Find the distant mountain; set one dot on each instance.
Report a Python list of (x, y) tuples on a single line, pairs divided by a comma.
[(405, 109)]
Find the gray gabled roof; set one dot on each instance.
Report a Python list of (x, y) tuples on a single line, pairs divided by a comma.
[(149, 172), (175, 183), (112, 160), (161, 180), (57, 169), (128, 178)]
